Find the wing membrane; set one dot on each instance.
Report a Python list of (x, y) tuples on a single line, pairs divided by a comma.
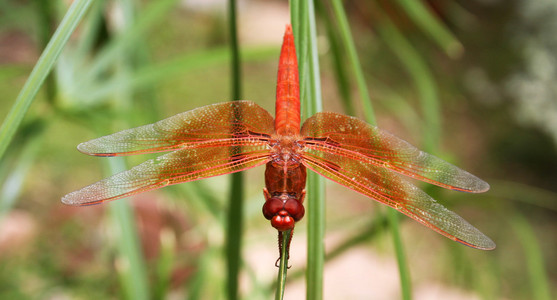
[(216, 125), (183, 165), (355, 139), (389, 188)]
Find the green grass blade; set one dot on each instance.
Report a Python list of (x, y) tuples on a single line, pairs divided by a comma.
[(298, 14), (403, 271), (348, 43), (200, 278), (169, 69), (23, 160), (525, 193), (421, 15), (537, 275), (165, 263), (370, 118), (92, 32), (45, 19), (423, 80), (337, 56), (130, 262), (376, 226), (310, 91), (153, 13), (236, 197), (40, 71), (134, 277)]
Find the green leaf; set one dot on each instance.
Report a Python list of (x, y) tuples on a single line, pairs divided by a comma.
[(40, 71), (537, 274), (421, 15), (130, 262), (370, 118), (311, 102)]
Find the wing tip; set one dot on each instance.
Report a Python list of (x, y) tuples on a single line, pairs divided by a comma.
[(73, 202), (486, 244), (79, 198), (483, 186), (480, 186), (70, 200), (85, 148), (67, 200)]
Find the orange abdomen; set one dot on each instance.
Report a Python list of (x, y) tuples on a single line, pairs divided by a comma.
[(287, 109)]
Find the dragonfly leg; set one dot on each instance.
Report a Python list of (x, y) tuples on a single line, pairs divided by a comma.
[(302, 196), (280, 245)]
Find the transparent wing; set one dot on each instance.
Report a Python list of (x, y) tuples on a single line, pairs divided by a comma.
[(389, 188), (354, 139), (180, 166), (209, 126)]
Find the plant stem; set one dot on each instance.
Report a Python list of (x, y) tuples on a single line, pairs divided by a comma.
[(348, 42), (370, 118), (537, 275), (403, 272), (283, 266), (235, 215), (310, 84)]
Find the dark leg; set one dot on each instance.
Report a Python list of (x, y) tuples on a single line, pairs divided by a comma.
[(280, 245), (280, 248)]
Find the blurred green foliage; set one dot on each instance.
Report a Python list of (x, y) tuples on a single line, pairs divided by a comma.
[(467, 80)]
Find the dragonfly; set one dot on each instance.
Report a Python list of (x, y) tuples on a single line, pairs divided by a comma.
[(234, 136)]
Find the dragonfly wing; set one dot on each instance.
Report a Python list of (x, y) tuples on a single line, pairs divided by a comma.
[(208, 126), (391, 189), (183, 165), (355, 139)]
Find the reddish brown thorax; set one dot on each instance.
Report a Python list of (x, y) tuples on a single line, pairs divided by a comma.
[(285, 176), (285, 180)]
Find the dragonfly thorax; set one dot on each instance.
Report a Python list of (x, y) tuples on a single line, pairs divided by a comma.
[(284, 194), (286, 150)]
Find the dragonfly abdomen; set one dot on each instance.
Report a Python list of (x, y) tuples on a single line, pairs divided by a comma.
[(287, 108)]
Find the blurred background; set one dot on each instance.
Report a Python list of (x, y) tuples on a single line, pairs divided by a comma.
[(471, 81)]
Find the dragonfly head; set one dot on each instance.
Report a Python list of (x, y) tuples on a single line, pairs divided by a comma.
[(283, 211)]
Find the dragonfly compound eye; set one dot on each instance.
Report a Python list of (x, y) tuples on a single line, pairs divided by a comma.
[(272, 207), (295, 209)]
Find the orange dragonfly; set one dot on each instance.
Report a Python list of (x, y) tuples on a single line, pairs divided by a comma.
[(234, 136)]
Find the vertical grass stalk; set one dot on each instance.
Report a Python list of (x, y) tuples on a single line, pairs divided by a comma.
[(235, 215), (370, 118), (405, 283), (423, 80), (130, 262), (165, 264), (431, 25), (338, 59), (310, 92), (354, 61), (537, 275), (133, 270), (16, 171)]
